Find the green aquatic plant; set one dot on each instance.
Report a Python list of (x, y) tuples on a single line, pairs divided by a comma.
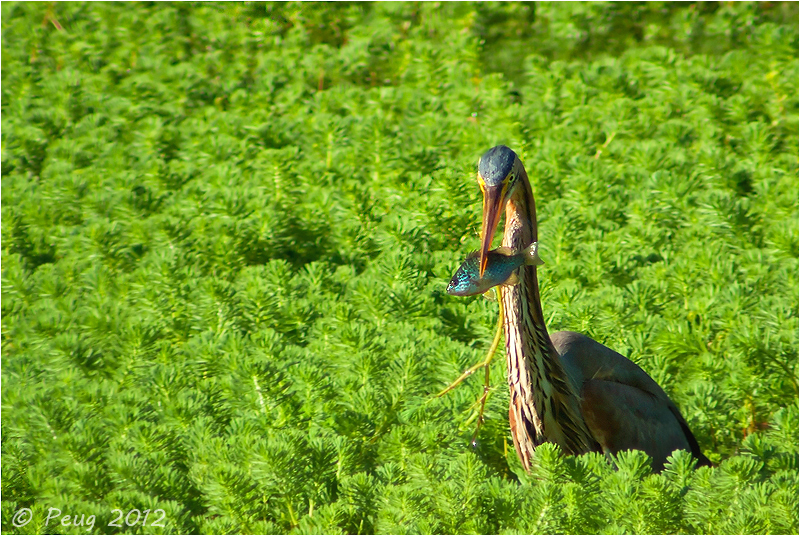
[(227, 231)]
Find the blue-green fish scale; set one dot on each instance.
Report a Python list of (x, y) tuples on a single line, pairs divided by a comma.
[(467, 281)]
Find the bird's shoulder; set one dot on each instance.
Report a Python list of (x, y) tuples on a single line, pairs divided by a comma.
[(586, 359)]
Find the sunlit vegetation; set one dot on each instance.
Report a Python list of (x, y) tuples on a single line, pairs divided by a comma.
[(227, 230)]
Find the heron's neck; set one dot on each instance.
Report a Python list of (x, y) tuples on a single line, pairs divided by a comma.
[(543, 402), (519, 233)]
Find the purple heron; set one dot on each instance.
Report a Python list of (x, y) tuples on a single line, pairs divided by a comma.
[(566, 388)]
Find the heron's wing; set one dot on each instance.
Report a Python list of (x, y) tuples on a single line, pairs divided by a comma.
[(586, 359), (618, 394), (621, 417)]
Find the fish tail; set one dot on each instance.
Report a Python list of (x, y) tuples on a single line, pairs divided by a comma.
[(532, 255)]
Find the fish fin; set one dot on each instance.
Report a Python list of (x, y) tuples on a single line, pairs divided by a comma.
[(504, 250), (532, 255), (512, 280), (490, 295)]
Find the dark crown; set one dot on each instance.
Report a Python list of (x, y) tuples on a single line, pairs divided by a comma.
[(496, 164)]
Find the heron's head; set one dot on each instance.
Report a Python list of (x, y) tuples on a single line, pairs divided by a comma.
[(498, 175)]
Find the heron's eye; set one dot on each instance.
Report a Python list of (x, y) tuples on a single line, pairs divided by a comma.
[(510, 182)]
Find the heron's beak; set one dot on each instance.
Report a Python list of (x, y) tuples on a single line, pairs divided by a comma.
[(492, 208)]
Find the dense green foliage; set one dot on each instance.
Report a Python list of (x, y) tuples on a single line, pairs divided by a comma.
[(227, 230)]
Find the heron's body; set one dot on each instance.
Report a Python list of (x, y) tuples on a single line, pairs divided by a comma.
[(567, 389)]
